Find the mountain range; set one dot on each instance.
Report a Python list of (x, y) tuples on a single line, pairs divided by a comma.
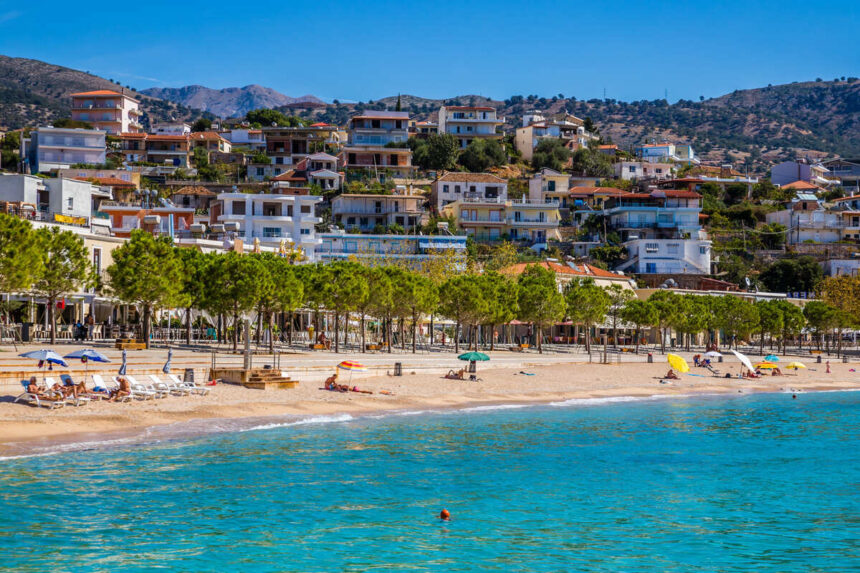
[(228, 102), (749, 128)]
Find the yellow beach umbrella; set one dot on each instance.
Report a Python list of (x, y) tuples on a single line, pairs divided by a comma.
[(795, 365), (678, 363), (765, 366)]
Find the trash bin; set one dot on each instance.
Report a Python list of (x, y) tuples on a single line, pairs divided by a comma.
[(845, 359), (25, 331), (818, 360), (398, 369), (650, 358), (719, 358), (189, 375), (473, 366)]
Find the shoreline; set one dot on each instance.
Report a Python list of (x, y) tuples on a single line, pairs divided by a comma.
[(32, 432)]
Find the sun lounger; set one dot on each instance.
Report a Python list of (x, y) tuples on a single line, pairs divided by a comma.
[(144, 391), (202, 390), (100, 383), (79, 401), (40, 401), (170, 386)]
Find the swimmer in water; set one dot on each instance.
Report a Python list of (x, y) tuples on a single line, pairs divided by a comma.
[(445, 515)]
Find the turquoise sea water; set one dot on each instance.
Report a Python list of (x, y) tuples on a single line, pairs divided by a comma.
[(746, 483)]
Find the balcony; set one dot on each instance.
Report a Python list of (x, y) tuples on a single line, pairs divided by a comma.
[(80, 106), (483, 221), (532, 223)]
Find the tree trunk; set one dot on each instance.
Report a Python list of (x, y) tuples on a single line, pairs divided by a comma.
[(346, 330), (290, 326), (147, 312), (402, 334), (492, 337), (336, 332), (457, 338), (388, 332), (188, 325), (637, 340), (220, 334), (414, 329), (431, 329), (235, 331), (363, 335), (663, 340), (538, 331), (259, 325), (614, 331), (272, 332)]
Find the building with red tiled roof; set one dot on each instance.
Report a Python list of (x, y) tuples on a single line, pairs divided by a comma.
[(802, 186), (565, 273), (110, 111)]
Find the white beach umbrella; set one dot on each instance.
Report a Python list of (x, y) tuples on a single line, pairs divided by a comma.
[(713, 354), (744, 360)]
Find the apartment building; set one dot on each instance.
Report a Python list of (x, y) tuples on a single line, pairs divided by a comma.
[(666, 152), (211, 141), (171, 128), (847, 171), (468, 123), (108, 111), (454, 186), (51, 148), (667, 257), (368, 135), (363, 212), (154, 218), (809, 220), (801, 170), (59, 200), (253, 139), (549, 186), (566, 128), (165, 150), (633, 170), (270, 219), (288, 145), (412, 250), (316, 169), (493, 220)]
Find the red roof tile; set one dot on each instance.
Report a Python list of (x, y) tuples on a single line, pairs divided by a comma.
[(585, 270)]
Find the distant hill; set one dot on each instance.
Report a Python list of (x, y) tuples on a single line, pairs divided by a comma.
[(228, 102), (35, 93)]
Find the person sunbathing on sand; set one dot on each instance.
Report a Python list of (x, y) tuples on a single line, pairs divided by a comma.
[(456, 375), (355, 389), (671, 375)]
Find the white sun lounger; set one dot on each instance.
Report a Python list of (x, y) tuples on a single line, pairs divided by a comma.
[(143, 391), (79, 401), (202, 390), (39, 401), (170, 386)]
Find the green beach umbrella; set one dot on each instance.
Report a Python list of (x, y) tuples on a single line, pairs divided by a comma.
[(474, 357)]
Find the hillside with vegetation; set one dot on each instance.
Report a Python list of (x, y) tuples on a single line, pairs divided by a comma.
[(35, 93)]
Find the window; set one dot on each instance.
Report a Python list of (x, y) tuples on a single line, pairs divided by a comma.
[(456, 188), (550, 186), (444, 188), (350, 220), (289, 210), (306, 231), (306, 209), (703, 250), (673, 248), (351, 159), (651, 247), (658, 170), (651, 268), (279, 160), (362, 221), (70, 203), (632, 169), (374, 123), (377, 206), (271, 232)]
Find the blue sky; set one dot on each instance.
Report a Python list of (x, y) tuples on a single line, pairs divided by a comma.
[(367, 50)]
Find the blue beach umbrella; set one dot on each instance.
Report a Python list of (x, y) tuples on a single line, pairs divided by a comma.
[(86, 356), (772, 358), (166, 368), (48, 356), (124, 364), (44, 357)]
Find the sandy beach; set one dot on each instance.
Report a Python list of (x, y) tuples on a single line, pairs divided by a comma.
[(22, 425)]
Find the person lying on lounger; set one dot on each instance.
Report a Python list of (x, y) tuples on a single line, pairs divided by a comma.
[(121, 392), (456, 375), (40, 391), (671, 375)]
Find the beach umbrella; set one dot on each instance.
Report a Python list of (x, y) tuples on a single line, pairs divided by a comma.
[(474, 357), (713, 354), (772, 358), (352, 366), (87, 355), (166, 368), (677, 363), (744, 360), (124, 365), (45, 357), (795, 365), (765, 366)]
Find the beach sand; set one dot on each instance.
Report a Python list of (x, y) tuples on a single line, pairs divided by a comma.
[(21, 425)]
